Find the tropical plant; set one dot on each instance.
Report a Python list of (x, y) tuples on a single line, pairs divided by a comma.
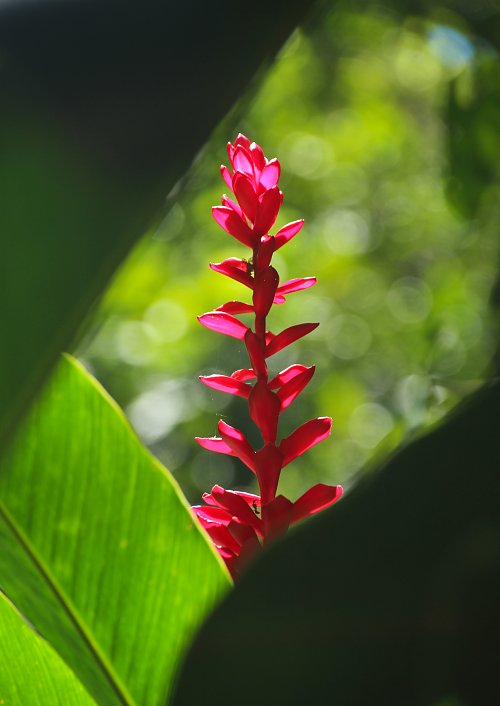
[(111, 591)]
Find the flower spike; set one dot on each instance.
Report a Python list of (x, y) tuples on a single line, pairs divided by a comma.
[(239, 523)]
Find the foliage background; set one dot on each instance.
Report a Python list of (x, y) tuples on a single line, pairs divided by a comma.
[(387, 127), (370, 117)]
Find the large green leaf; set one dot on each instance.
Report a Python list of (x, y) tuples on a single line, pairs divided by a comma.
[(104, 106), (98, 548), (389, 598), (30, 671)]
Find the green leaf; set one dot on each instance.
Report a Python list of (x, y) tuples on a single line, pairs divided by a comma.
[(389, 598), (104, 108), (30, 671), (98, 548)]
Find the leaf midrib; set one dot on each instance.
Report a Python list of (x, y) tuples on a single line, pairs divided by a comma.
[(75, 618)]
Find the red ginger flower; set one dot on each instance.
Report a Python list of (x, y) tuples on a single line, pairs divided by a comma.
[(239, 523)]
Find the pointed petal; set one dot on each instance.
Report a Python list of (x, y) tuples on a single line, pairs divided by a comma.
[(268, 465), (303, 438), (294, 387), (277, 516), (226, 175), (231, 502), (288, 336), (231, 268), (315, 499), (237, 262), (243, 374), (267, 211), (233, 224), (295, 285), (265, 406), (235, 307), (258, 156), (242, 162), (214, 443), (221, 322), (265, 284), (245, 193), (255, 354), (270, 174), (243, 533), (229, 203), (223, 383), (286, 375), (209, 523), (237, 441), (229, 557), (205, 513), (251, 499), (207, 497), (287, 233), (230, 560), (242, 140), (223, 538)]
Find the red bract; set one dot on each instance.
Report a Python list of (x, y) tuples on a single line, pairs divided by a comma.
[(240, 523)]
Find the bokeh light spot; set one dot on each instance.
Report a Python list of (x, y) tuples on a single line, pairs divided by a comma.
[(409, 300), (156, 412), (348, 336), (369, 424), (135, 342), (345, 232), (452, 48), (167, 319), (308, 156)]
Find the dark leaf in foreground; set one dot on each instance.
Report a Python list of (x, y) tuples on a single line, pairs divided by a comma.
[(390, 598), (100, 117)]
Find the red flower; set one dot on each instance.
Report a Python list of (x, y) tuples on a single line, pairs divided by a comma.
[(240, 523)]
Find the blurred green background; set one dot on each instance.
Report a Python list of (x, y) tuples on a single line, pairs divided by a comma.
[(386, 130)]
